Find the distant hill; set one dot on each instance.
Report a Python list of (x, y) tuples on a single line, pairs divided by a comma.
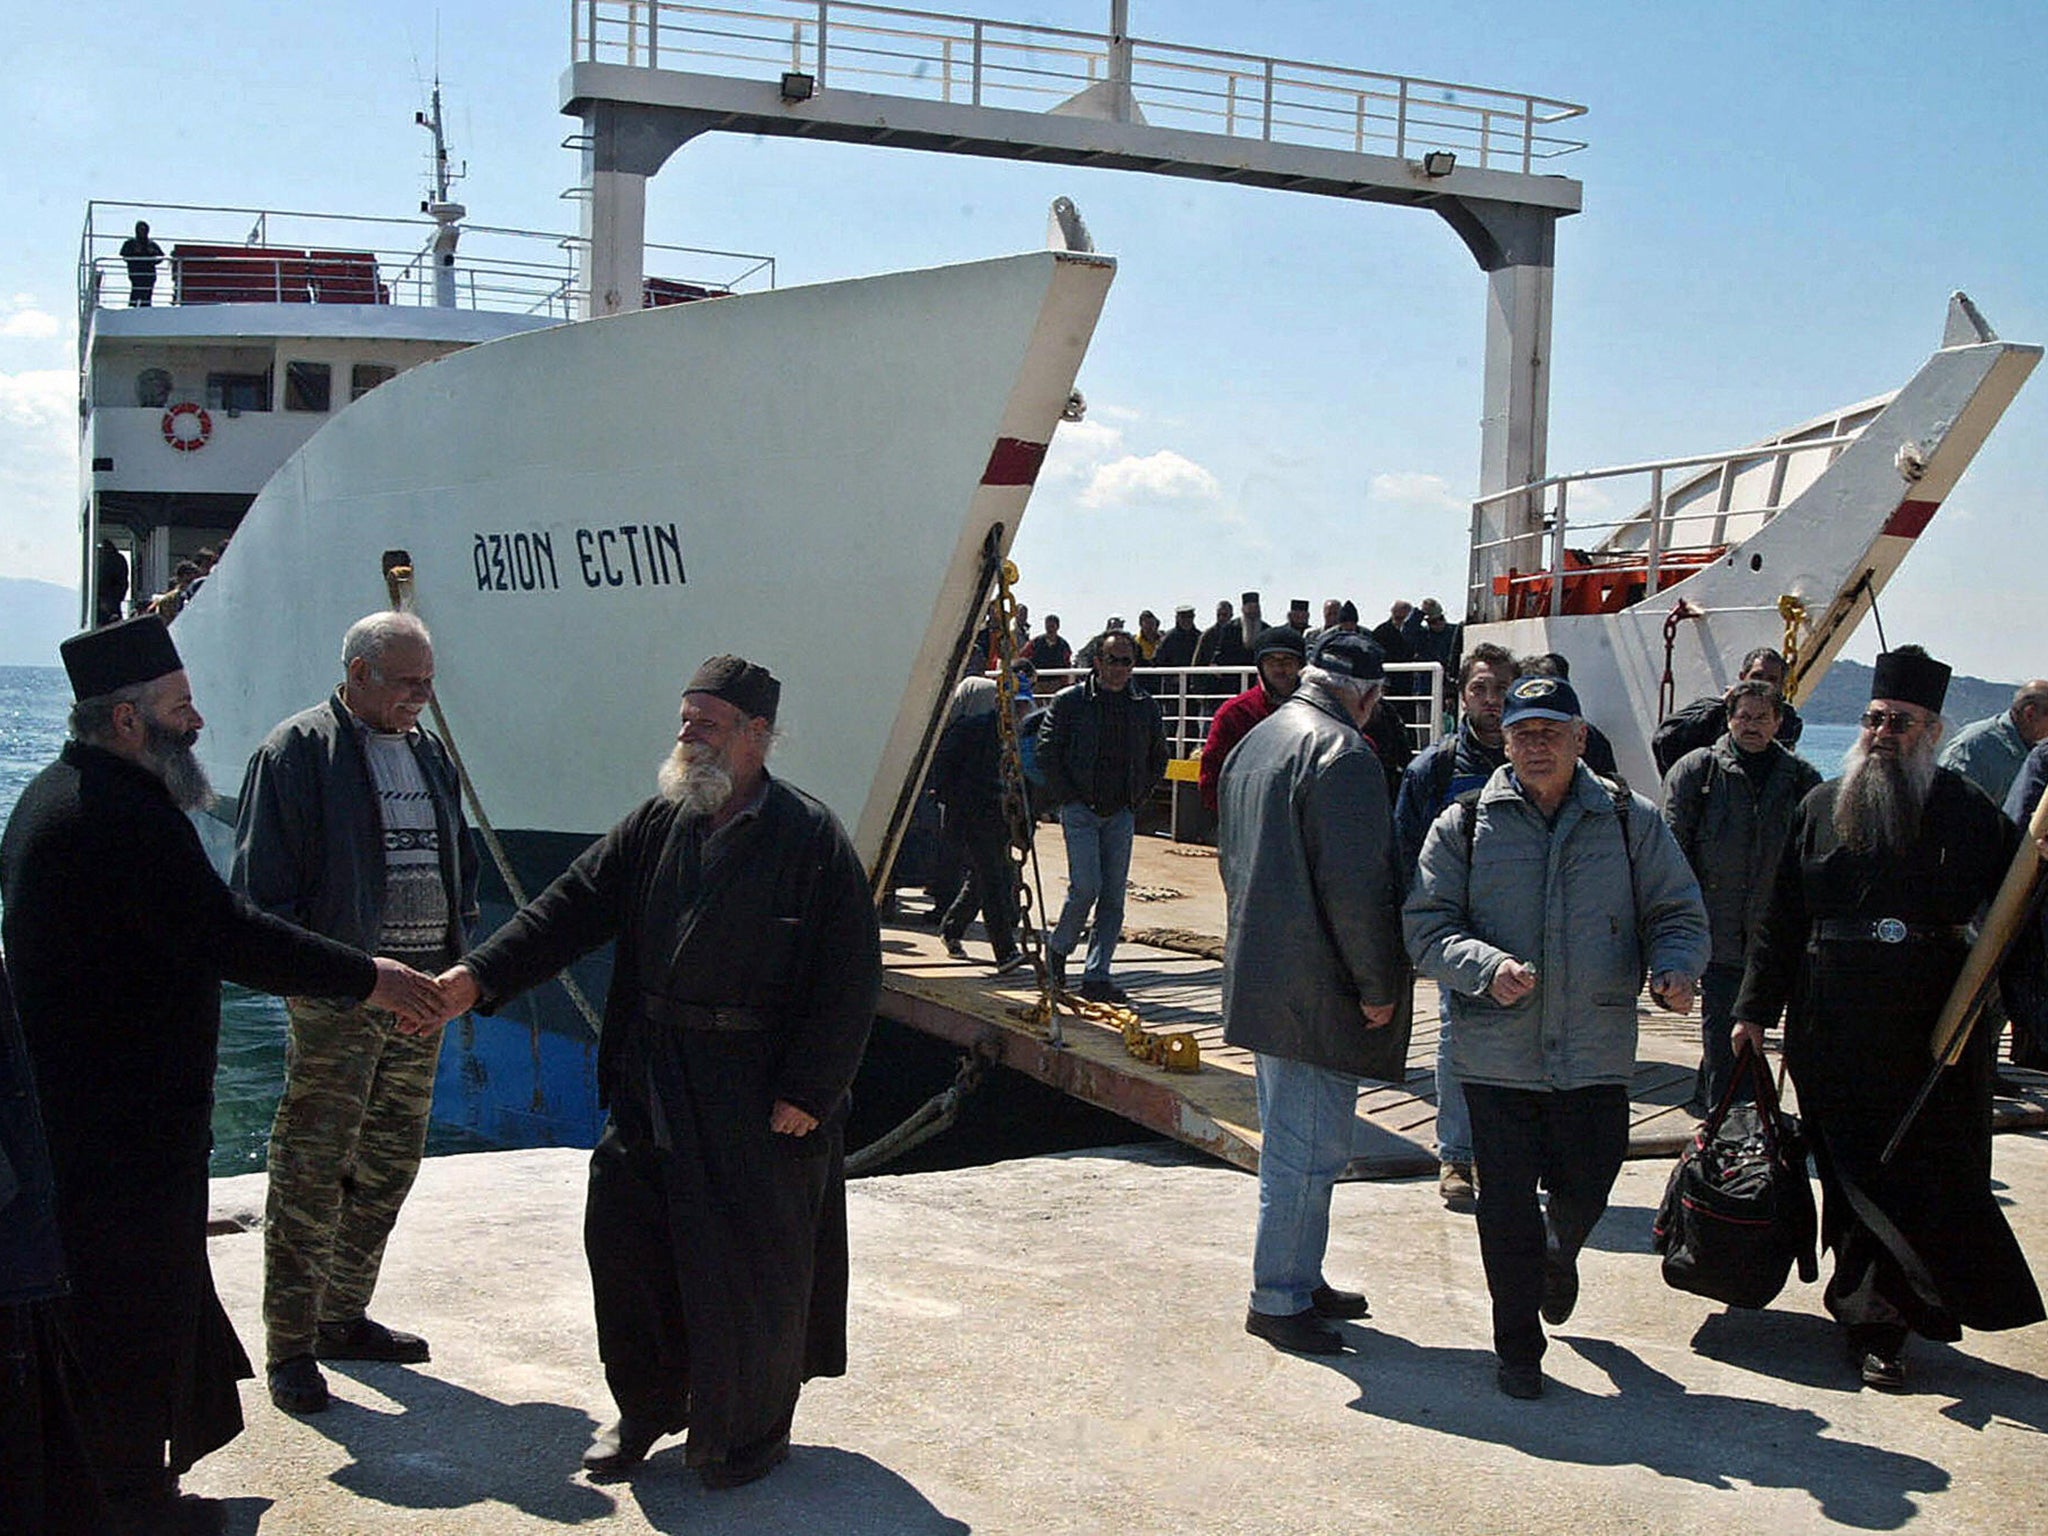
[(34, 617), (1845, 692)]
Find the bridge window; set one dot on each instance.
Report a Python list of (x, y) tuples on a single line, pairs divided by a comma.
[(364, 377), (308, 386), (238, 391)]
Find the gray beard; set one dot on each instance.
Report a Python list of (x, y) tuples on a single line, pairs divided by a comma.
[(1877, 809), (170, 755), (698, 788)]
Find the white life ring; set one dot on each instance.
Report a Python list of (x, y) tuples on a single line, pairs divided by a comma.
[(187, 426)]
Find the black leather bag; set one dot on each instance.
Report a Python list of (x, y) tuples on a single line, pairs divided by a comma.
[(1738, 1211)]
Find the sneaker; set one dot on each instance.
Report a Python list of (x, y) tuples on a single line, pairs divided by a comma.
[(367, 1340), (1520, 1381), (1884, 1372), (1011, 964), (1097, 990), (954, 948), (1301, 1332), (1456, 1186), (297, 1386)]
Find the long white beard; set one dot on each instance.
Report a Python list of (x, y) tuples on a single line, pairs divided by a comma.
[(696, 786), (171, 753), (1877, 809)]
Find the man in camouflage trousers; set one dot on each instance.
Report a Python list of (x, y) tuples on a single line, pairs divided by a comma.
[(350, 824)]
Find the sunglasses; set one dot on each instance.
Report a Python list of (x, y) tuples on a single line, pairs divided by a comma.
[(1883, 721), (1119, 661)]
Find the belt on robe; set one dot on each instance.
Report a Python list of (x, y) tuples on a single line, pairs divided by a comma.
[(1887, 930), (723, 1018)]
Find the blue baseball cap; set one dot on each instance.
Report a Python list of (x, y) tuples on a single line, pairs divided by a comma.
[(1540, 698)]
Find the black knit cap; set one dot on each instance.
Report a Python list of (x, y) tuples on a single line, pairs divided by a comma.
[(1280, 638), (102, 661), (1911, 675), (750, 689)]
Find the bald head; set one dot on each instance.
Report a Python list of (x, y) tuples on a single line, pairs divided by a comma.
[(2030, 710)]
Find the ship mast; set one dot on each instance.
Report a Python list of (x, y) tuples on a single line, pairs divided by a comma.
[(445, 213)]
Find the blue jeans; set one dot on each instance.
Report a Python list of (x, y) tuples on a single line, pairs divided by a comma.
[(1306, 1115), (1098, 864), (1453, 1119)]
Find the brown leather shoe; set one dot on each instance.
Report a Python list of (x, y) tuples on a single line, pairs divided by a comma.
[(367, 1340)]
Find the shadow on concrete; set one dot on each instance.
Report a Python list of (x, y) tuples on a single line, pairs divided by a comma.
[(447, 1447), (243, 1516), (820, 1488), (1624, 1229), (1652, 1421)]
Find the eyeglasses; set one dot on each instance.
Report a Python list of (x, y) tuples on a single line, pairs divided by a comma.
[(1883, 721), (1119, 661)]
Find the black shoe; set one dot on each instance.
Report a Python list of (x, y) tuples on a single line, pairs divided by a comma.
[(365, 1340), (954, 948), (1521, 1381), (1887, 1373), (1302, 1332), (1560, 1287), (297, 1386), (166, 1514), (1328, 1301), (1011, 963), (1099, 991), (732, 1473), (622, 1445), (1056, 968)]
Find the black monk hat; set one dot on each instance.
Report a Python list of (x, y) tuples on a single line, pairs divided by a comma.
[(102, 661), (1911, 675), (750, 689)]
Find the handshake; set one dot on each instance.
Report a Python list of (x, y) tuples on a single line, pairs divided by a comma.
[(423, 1003)]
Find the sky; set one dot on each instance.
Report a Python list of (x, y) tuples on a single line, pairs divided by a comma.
[(1284, 391)]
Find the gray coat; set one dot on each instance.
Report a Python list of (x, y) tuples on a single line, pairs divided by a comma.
[(1305, 847), (1731, 834), (1567, 899)]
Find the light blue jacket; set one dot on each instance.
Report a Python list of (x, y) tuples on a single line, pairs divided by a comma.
[(1564, 897)]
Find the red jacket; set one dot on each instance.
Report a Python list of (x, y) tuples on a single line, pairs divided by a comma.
[(1226, 730)]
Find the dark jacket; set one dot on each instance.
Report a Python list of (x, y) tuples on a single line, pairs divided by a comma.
[(1177, 647), (1702, 723), (31, 1256), (118, 935), (1305, 848), (967, 768), (1731, 834), (1440, 773), (786, 928), (309, 843), (1070, 740)]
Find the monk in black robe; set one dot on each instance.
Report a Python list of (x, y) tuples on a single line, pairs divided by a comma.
[(1864, 939), (745, 980), (118, 934)]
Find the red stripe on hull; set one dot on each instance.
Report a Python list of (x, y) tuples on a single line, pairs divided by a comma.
[(1912, 518), (1013, 462)]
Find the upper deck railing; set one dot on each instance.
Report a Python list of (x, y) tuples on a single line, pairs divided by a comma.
[(935, 56), (216, 255), (1691, 512)]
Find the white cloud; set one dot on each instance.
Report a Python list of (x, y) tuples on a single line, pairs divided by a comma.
[(1079, 448), (28, 322), (39, 399), (1155, 478), (1412, 488)]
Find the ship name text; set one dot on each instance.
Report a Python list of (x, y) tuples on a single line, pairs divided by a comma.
[(629, 555)]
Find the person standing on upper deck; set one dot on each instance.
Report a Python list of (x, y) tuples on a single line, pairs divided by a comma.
[(142, 255), (1102, 747), (1280, 657), (350, 825), (1177, 645)]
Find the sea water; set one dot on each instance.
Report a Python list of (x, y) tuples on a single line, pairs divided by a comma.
[(490, 1092)]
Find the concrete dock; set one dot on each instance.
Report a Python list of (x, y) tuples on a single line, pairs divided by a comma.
[(1055, 1345)]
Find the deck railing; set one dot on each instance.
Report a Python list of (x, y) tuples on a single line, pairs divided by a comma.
[(232, 255), (1189, 696), (936, 56), (1574, 554)]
